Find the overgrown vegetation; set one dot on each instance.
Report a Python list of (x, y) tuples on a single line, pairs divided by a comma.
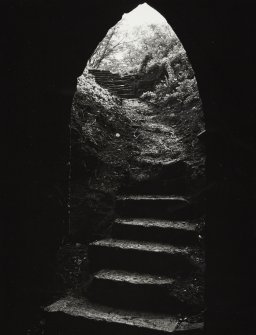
[(151, 51), (179, 85), (133, 39), (178, 98)]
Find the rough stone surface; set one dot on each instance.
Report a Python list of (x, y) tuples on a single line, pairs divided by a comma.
[(83, 308), (190, 328), (133, 278), (164, 231), (157, 223), (151, 198), (142, 246)]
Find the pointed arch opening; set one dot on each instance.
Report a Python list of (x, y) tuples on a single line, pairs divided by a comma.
[(137, 165)]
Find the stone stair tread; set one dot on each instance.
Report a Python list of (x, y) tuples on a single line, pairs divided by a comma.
[(133, 277), (120, 90), (123, 89), (165, 224), (150, 197), (120, 87), (142, 246), (83, 308), (124, 82), (107, 82)]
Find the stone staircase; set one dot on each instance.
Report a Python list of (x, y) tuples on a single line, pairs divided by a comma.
[(123, 87), (142, 275)]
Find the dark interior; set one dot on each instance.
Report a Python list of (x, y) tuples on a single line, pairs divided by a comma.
[(48, 44)]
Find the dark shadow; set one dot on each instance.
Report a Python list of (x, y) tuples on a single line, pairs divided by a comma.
[(47, 45)]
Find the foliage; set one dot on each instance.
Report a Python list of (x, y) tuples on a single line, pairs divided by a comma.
[(178, 94), (93, 109), (105, 48), (95, 95), (180, 85), (145, 61), (124, 48)]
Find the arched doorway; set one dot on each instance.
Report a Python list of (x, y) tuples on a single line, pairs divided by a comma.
[(220, 51), (137, 167)]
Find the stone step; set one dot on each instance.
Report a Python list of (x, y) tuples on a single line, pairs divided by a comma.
[(129, 94), (113, 75), (174, 232), (113, 84), (105, 80), (107, 74), (117, 79), (117, 91), (125, 81), (116, 85), (127, 84), (154, 206), (79, 316), (147, 257), (121, 89), (131, 290), (124, 89), (99, 70), (104, 73), (124, 86)]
